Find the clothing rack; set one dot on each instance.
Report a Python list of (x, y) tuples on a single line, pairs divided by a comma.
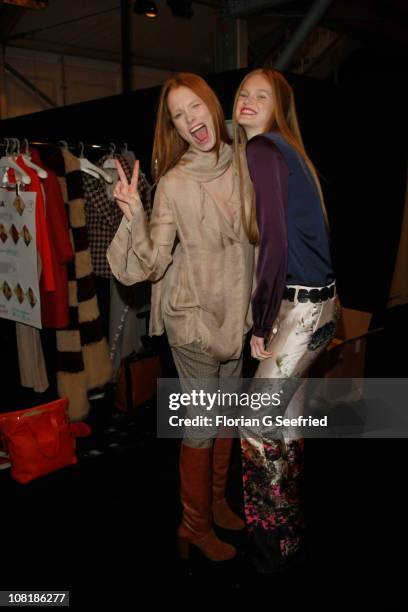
[(114, 148), (60, 143)]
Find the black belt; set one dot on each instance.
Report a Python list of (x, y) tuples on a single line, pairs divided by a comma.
[(309, 295)]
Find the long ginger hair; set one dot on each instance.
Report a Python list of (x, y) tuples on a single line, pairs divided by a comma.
[(284, 121)]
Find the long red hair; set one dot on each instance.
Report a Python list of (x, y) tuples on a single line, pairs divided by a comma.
[(168, 146), (284, 121)]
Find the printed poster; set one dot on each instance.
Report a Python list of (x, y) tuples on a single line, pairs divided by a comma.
[(19, 286)]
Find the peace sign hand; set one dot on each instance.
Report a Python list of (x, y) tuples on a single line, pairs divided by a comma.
[(125, 194)]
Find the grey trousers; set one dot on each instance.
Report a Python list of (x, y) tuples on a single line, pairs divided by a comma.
[(199, 370)]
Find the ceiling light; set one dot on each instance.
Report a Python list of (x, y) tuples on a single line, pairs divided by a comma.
[(143, 7)]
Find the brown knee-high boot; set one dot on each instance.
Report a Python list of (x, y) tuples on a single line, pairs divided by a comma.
[(223, 516), (196, 524)]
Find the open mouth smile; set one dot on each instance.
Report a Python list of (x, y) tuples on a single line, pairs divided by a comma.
[(200, 133), (247, 111)]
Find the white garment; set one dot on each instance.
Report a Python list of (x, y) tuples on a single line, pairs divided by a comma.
[(33, 373)]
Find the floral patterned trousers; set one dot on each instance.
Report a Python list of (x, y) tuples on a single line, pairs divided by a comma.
[(272, 460)]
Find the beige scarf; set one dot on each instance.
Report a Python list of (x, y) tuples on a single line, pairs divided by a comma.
[(204, 166)]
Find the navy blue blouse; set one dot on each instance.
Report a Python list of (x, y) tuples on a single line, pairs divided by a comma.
[(294, 245)]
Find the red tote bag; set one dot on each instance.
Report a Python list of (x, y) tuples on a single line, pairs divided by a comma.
[(38, 440)]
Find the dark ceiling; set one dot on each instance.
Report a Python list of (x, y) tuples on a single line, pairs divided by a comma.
[(380, 27)]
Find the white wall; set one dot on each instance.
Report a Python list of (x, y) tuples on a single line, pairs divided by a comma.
[(66, 80)]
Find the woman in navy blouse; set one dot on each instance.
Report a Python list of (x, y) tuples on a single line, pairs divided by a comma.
[(294, 304)]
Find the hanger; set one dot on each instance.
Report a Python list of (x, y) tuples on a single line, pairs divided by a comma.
[(7, 162), (110, 161), (43, 174), (84, 166), (90, 168)]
